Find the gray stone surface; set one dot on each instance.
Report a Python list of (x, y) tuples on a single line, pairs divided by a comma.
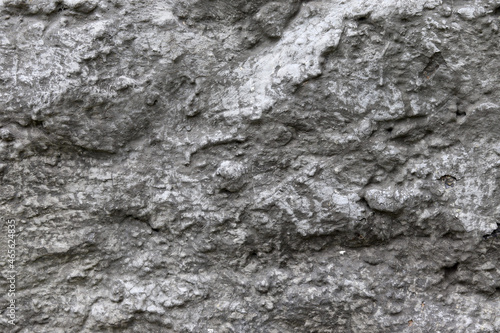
[(251, 166)]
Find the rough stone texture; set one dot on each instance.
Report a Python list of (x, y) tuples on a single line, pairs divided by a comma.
[(251, 166)]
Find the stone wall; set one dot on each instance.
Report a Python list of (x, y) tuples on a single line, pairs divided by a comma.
[(251, 166)]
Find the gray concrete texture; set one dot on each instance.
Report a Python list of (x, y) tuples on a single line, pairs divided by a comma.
[(251, 166)]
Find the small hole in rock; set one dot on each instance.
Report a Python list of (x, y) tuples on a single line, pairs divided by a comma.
[(362, 19), (450, 270), (449, 181)]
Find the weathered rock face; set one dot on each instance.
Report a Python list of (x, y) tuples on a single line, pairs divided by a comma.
[(251, 166)]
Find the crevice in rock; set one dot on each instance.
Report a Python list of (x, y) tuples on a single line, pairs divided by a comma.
[(496, 11), (450, 271), (494, 233)]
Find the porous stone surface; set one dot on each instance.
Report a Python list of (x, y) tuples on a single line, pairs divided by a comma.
[(251, 166)]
